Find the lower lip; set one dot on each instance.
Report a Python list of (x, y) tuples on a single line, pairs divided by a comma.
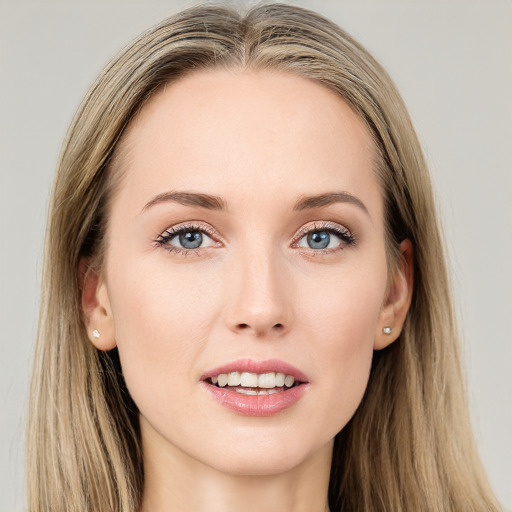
[(256, 405)]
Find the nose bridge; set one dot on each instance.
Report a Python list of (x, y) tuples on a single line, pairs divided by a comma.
[(260, 301)]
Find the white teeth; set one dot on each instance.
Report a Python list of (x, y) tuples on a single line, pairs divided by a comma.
[(288, 381), (246, 391), (249, 380), (249, 391), (264, 381), (234, 379), (267, 380), (223, 379), (267, 391)]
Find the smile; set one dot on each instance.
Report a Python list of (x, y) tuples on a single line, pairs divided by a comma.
[(256, 393), (254, 384)]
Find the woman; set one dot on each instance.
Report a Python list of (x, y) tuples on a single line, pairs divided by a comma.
[(245, 299)]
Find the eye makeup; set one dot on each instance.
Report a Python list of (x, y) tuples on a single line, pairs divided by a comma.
[(183, 234), (324, 231), (320, 238)]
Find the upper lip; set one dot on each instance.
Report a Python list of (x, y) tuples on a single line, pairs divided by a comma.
[(252, 366)]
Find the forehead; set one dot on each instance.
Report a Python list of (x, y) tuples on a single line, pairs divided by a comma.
[(244, 132)]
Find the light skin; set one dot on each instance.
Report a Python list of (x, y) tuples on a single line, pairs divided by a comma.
[(257, 287)]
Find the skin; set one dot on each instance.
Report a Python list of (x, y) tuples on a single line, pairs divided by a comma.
[(255, 289)]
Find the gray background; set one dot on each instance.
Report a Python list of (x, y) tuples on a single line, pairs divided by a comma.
[(452, 61)]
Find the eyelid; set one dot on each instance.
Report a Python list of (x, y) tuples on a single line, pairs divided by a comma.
[(343, 233), (171, 232), (322, 225), (191, 226), (346, 237)]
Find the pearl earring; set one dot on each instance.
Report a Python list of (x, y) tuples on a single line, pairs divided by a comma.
[(387, 330), (96, 333)]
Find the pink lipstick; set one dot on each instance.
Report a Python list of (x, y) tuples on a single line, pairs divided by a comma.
[(256, 388)]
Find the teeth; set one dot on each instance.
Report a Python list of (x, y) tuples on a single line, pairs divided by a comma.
[(249, 380), (288, 381), (280, 379), (234, 379), (264, 381), (267, 380), (223, 379), (245, 391)]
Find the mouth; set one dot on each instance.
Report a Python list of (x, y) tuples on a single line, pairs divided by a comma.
[(252, 384), (254, 388)]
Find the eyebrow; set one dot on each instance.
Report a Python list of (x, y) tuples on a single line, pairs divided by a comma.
[(189, 199), (320, 200), (211, 202)]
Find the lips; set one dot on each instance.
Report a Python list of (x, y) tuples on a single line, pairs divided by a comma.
[(251, 366), (256, 388)]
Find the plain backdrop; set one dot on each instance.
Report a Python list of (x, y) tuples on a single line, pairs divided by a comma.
[(452, 60)]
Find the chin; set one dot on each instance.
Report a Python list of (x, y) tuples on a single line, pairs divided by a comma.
[(259, 464), (266, 457)]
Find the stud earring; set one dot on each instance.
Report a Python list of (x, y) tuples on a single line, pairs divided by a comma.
[(387, 330), (96, 333)]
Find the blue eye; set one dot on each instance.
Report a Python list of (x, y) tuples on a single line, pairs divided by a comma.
[(190, 239), (319, 239), (183, 239), (327, 238)]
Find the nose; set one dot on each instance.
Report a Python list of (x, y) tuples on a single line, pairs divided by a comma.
[(260, 294)]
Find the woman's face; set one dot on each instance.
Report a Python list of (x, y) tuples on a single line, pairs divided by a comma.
[(246, 236)]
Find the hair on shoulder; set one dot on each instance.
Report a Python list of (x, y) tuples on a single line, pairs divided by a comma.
[(409, 446)]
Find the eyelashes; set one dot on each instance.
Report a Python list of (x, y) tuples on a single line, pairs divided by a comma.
[(190, 236), (321, 237), (318, 238)]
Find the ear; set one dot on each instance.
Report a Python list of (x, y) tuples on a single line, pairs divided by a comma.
[(398, 298), (96, 307)]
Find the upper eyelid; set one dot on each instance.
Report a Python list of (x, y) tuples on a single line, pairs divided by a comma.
[(310, 226), (322, 224), (192, 226), (325, 225), (212, 232)]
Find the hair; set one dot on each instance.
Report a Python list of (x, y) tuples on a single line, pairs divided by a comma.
[(409, 445)]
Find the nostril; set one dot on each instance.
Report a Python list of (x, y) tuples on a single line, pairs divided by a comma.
[(260, 329)]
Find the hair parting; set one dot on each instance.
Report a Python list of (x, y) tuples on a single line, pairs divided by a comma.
[(409, 446)]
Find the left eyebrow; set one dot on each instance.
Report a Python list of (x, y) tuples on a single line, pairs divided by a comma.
[(321, 200)]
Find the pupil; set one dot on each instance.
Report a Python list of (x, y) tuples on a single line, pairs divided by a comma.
[(191, 239), (319, 239)]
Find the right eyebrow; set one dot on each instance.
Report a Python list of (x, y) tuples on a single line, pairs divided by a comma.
[(207, 201)]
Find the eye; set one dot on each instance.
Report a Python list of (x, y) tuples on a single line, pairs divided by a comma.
[(185, 239), (327, 237), (188, 239)]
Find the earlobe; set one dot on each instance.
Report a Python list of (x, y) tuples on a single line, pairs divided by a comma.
[(398, 299), (96, 308)]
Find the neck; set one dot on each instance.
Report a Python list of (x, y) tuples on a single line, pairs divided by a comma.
[(175, 481)]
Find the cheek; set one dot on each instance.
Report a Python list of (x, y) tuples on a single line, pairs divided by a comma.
[(342, 326), (161, 324)]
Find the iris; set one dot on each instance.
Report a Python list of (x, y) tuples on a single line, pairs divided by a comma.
[(319, 239), (191, 239)]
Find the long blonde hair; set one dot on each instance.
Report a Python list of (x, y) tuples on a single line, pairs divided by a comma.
[(409, 447)]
